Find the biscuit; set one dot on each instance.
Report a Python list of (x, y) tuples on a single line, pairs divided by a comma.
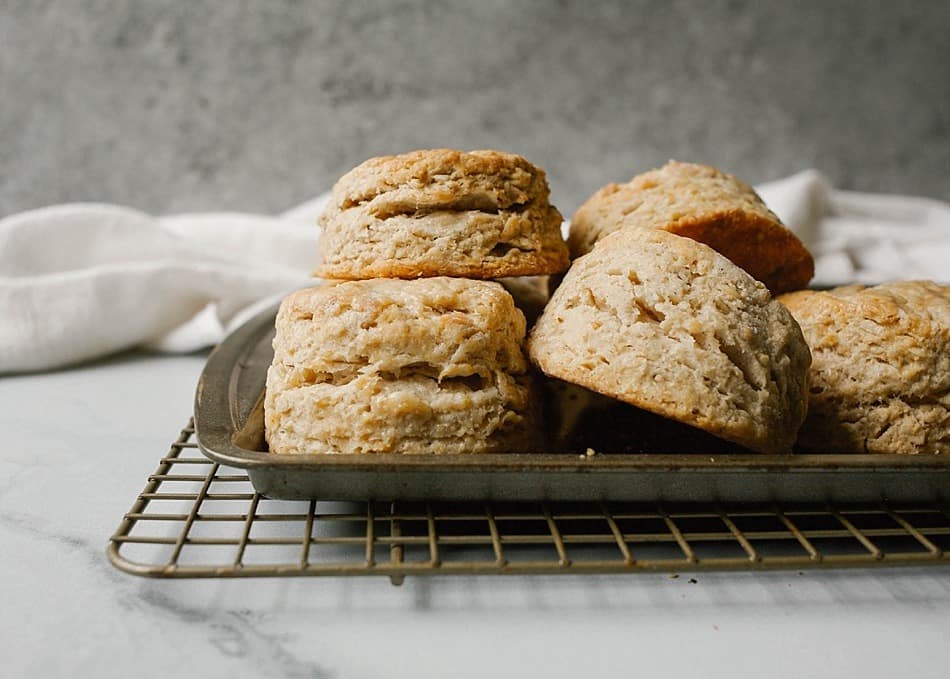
[(667, 324), (481, 214), (880, 380), (704, 204), (392, 366)]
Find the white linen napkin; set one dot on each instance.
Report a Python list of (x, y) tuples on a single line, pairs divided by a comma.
[(863, 237), (82, 281), (85, 280)]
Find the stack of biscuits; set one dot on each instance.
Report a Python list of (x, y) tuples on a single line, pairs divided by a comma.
[(667, 311), (410, 346)]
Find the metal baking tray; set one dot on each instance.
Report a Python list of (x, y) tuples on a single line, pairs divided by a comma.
[(229, 430)]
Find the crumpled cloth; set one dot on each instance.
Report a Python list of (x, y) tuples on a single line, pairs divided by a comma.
[(863, 237), (81, 281)]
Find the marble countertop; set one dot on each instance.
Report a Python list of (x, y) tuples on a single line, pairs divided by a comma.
[(79, 444)]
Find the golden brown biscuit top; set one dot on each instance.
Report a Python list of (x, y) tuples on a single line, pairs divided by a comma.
[(911, 306), (677, 185), (461, 180), (706, 205)]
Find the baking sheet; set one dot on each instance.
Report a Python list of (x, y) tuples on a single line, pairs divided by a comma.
[(229, 429)]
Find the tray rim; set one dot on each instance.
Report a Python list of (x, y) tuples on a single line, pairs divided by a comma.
[(215, 427)]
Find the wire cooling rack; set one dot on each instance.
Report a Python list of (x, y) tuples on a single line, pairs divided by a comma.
[(197, 519)]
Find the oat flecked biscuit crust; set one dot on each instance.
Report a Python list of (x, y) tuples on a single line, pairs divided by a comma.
[(393, 366), (669, 325), (441, 212), (880, 381), (704, 204)]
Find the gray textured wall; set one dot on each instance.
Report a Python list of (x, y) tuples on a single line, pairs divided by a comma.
[(256, 105)]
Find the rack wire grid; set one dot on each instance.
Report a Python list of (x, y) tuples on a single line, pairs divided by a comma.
[(197, 519)]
